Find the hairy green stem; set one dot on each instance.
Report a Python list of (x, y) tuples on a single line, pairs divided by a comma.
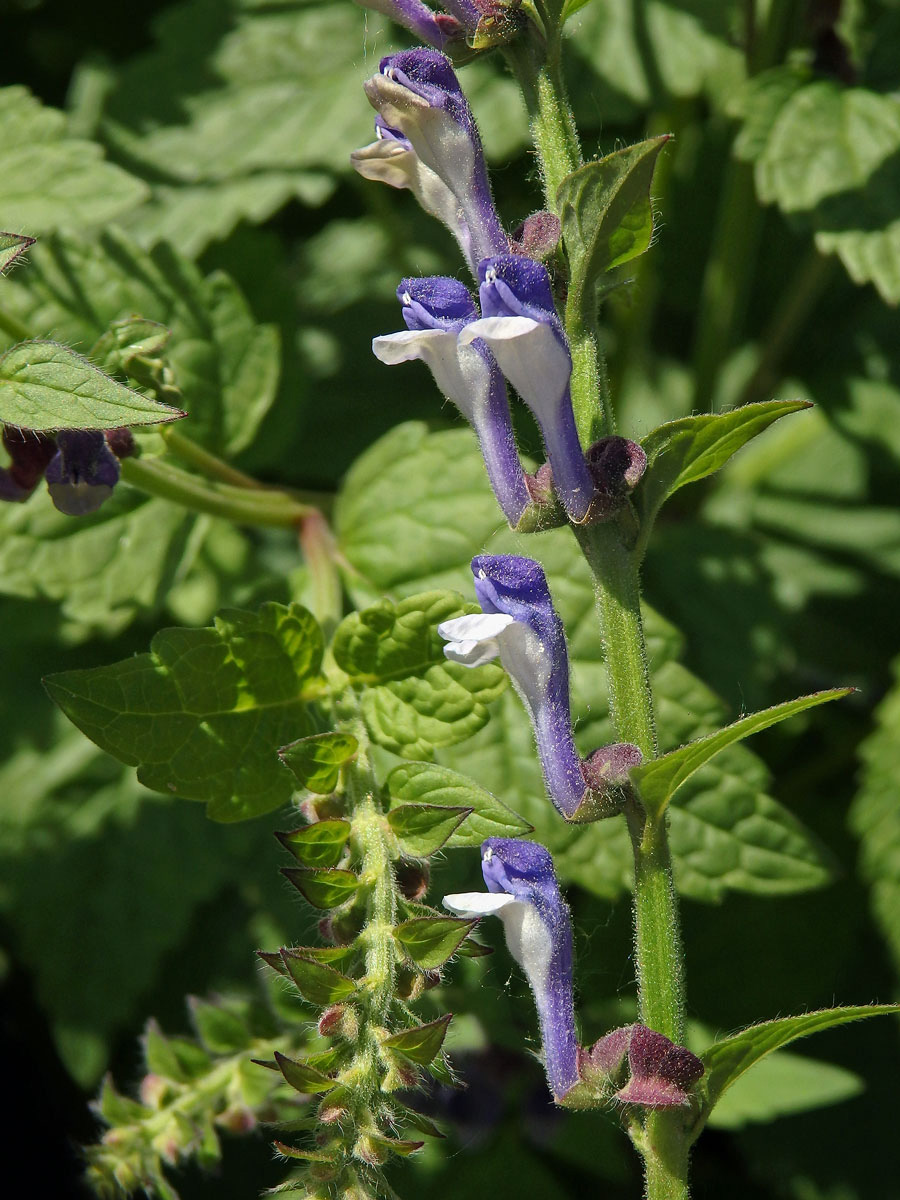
[(209, 464), (241, 505), (376, 871), (619, 608)]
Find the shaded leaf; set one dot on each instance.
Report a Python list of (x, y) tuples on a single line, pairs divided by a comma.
[(781, 1085), (220, 1030), (421, 1043), (316, 761), (660, 779), (396, 1145), (393, 641), (318, 845), (429, 784), (430, 941), (117, 1109), (45, 386), (49, 180), (202, 714), (875, 816), (323, 888), (727, 1060), (424, 828), (317, 982), (683, 451)]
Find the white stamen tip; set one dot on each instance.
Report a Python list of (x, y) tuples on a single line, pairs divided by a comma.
[(488, 854), (490, 275), (482, 574), (406, 298)]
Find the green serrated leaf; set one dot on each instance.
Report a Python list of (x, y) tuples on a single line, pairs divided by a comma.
[(11, 246), (323, 888), (423, 1042), (727, 1060), (393, 641), (317, 845), (413, 717), (302, 1077), (430, 941), (45, 387), (202, 714), (605, 211), (220, 1030), (659, 780), (316, 761), (324, 954), (316, 981), (424, 828), (683, 451), (429, 784), (49, 180)]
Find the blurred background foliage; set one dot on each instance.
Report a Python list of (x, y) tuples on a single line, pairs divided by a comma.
[(189, 161)]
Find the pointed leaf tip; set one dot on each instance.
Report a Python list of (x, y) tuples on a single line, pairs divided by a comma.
[(421, 1043)]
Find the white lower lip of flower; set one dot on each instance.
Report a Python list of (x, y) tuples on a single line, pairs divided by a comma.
[(527, 937), (521, 652), (460, 372), (531, 357), (473, 640)]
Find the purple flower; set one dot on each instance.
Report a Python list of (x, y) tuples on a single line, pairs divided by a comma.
[(29, 454), (82, 472), (519, 624), (435, 29), (521, 327), (424, 112), (524, 894), (435, 310)]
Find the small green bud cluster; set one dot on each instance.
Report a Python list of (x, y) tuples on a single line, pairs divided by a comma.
[(193, 1090), (364, 867)]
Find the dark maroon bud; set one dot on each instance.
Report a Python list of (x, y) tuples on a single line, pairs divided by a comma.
[(540, 484), (449, 27), (537, 237), (82, 472), (29, 455), (431, 979), (661, 1072), (412, 878), (121, 442), (616, 466)]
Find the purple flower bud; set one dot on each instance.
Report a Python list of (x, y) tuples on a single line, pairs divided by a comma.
[(421, 103), (524, 893), (435, 29), (616, 466), (82, 473), (435, 310), (521, 326), (518, 623), (661, 1073)]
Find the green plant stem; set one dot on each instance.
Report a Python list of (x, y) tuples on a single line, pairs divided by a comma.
[(617, 590), (241, 505), (319, 551), (369, 832), (203, 460)]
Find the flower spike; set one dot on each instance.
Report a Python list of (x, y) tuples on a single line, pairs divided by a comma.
[(519, 624), (418, 97), (435, 310), (524, 894), (520, 325)]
